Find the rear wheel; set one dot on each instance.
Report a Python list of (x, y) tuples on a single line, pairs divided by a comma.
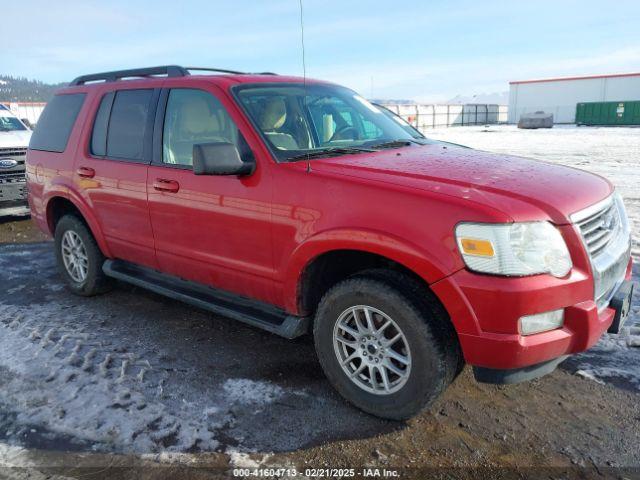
[(79, 257), (384, 349)]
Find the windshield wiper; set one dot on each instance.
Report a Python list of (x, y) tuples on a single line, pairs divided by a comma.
[(329, 152), (394, 144)]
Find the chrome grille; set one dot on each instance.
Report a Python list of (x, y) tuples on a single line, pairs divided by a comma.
[(13, 152), (12, 177), (600, 228), (605, 233), (608, 279)]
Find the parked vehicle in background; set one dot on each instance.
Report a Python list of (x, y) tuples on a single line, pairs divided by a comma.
[(297, 206), (14, 138)]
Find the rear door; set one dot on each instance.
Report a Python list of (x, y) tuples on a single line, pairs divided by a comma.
[(112, 171)]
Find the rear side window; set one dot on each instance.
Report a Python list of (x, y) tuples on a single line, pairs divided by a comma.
[(99, 135), (127, 125), (56, 122)]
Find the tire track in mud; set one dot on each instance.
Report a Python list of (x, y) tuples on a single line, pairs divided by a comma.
[(131, 371), (71, 361)]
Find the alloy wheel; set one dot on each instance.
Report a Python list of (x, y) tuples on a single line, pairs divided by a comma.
[(74, 256), (372, 350)]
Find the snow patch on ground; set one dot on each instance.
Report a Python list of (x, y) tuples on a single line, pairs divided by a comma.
[(67, 370), (239, 459), (246, 391), (588, 374)]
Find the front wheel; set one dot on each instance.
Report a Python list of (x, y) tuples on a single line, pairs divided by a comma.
[(79, 257), (382, 348)]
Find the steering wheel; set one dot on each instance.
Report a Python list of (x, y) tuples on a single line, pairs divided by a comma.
[(337, 135)]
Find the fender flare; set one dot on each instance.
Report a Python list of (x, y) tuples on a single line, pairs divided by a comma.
[(63, 191), (386, 245)]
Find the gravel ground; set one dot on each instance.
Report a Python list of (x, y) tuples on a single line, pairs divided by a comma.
[(129, 382), (19, 230)]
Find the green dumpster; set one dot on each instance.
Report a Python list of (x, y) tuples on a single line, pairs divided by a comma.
[(608, 113)]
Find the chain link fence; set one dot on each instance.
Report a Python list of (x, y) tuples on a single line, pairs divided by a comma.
[(433, 116)]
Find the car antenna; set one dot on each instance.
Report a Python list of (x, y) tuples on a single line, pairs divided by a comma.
[(304, 72)]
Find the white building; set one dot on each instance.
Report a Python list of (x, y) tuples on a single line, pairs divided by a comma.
[(560, 95)]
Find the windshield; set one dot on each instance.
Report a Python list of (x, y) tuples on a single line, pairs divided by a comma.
[(410, 129), (296, 120), (9, 123)]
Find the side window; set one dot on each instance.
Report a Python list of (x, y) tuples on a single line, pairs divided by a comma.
[(127, 124), (56, 122), (100, 125), (192, 117)]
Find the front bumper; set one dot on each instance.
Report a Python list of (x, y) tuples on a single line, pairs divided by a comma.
[(17, 209), (13, 196), (485, 310)]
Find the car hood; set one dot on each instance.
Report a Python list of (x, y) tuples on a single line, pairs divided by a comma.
[(521, 188), (15, 139)]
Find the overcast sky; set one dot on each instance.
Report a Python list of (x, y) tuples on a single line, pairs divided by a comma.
[(422, 50)]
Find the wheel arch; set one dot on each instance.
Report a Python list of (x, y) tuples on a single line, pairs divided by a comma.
[(61, 202), (325, 259)]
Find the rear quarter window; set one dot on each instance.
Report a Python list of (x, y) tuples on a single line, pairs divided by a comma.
[(99, 134), (56, 122)]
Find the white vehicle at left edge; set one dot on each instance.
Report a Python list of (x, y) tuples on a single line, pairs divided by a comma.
[(14, 139)]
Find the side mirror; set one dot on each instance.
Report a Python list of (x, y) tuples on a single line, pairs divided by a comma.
[(220, 158)]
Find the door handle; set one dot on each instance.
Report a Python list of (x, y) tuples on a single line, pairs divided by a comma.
[(164, 185), (86, 172)]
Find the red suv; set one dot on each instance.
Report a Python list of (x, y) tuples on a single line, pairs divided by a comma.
[(297, 206)]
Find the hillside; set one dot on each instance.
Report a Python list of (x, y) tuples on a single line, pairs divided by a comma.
[(14, 89)]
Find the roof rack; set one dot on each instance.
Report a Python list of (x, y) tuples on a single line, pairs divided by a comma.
[(168, 70), (220, 70)]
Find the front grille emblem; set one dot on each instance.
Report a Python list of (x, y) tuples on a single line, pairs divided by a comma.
[(8, 163)]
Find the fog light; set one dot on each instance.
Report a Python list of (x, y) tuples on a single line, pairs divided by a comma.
[(541, 322)]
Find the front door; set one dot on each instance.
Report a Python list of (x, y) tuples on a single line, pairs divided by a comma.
[(214, 230)]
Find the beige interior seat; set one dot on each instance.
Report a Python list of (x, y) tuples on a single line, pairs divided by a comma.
[(272, 119), (194, 122)]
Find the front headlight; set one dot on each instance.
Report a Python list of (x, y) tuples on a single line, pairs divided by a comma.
[(513, 249)]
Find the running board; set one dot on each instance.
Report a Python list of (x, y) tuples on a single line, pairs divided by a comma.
[(252, 312)]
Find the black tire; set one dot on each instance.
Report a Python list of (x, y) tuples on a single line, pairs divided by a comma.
[(96, 281), (435, 353)]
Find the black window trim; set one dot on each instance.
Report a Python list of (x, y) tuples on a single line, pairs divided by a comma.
[(147, 148), (103, 139), (158, 130)]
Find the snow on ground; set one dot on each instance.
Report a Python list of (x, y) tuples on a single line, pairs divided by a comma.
[(139, 373), (613, 152)]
